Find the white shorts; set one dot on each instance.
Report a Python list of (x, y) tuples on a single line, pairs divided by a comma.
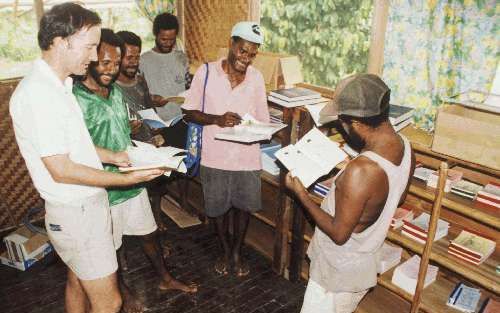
[(319, 300), (132, 217), (81, 235)]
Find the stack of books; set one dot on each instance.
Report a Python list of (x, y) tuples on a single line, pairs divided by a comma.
[(490, 196), (400, 116), (275, 115), (323, 187), (388, 257), (406, 274), (268, 158), (471, 247), (401, 214), (454, 176), (466, 189), (464, 298), (418, 228), (294, 97), (490, 305)]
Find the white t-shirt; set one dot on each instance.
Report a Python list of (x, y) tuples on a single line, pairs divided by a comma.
[(48, 121)]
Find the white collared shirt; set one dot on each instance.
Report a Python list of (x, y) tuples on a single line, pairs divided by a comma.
[(48, 121)]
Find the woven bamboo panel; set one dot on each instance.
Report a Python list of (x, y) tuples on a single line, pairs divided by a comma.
[(17, 193), (208, 25)]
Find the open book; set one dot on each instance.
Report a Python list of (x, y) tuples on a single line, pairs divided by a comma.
[(146, 156), (250, 130), (151, 118), (311, 157)]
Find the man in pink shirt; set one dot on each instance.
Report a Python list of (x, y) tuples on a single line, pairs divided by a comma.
[(230, 171)]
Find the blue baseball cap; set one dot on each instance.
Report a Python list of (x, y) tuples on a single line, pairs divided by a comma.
[(250, 31)]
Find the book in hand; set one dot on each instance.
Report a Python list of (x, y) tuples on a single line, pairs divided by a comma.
[(466, 189), (387, 257), (250, 130), (489, 196), (145, 156), (418, 228), (464, 298), (471, 247), (406, 274), (490, 305), (153, 120), (401, 214), (399, 113), (295, 94), (313, 156)]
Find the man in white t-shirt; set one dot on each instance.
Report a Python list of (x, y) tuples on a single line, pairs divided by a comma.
[(63, 163)]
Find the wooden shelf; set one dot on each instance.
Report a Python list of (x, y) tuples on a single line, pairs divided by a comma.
[(457, 204), (484, 274), (434, 296)]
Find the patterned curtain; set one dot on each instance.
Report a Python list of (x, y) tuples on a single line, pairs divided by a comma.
[(151, 8), (438, 48)]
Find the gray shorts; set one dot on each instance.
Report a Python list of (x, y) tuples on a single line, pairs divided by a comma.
[(223, 190)]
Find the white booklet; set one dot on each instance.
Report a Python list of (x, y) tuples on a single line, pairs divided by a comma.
[(315, 109), (154, 120), (313, 156), (250, 130), (146, 156)]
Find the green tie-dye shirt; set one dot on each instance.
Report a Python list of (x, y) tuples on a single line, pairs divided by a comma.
[(107, 122)]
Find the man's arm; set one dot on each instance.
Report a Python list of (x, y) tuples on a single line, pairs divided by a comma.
[(119, 159), (64, 170), (353, 189), (228, 119)]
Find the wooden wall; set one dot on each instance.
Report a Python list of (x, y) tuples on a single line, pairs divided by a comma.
[(17, 193)]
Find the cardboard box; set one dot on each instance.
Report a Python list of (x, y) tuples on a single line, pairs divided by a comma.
[(25, 248), (468, 134), (279, 70)]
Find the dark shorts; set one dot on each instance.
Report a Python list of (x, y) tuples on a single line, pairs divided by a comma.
[(223, 190)]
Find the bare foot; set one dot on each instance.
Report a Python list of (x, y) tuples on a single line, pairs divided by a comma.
[(174, 284), (222, 266), (131, 303), (241, 269)]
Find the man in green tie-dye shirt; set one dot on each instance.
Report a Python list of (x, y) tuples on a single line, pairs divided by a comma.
[(106, 118)]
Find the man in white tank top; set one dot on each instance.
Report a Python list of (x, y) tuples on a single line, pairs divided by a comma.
[(354, 218)]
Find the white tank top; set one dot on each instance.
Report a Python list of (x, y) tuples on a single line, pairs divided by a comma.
[(352, 267)]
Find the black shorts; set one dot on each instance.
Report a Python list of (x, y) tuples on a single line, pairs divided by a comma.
[(223, 190)]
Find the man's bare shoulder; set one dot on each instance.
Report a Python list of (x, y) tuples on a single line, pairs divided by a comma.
[(363, 171)]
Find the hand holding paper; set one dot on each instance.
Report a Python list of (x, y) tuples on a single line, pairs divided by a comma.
[(250, 130)]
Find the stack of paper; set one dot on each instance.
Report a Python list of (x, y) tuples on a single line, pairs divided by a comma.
[(405, 275), (146, 156), (323, 188), (293, 97), (490, 196), (400, 116), (471, 247), (313, 156), (275, 115), (401, 214), (315, 109), (454, 176), (388, 257), (464, 298), (250, 130), (418, 228), (466, 189), (268, 157)]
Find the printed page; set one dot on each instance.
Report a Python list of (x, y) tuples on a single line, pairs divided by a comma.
[(321, 150), (250, 130), (147, 156), (300, 165), (150, 114)]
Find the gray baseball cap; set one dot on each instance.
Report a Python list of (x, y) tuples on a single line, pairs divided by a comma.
[(359, 95)]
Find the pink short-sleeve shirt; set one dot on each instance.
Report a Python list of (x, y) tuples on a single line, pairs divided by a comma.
[(247, 97)]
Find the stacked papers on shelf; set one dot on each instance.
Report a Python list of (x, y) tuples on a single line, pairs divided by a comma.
[(401, 214), (466, 189), (453, 177), (471, 247), (464, 298), (418, 228), (406, 274), (490, 196), (388, 257)]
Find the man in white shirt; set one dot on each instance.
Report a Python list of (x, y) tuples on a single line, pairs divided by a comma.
[(65, 166)]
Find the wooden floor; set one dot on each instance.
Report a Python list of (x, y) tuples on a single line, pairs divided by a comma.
[(41, 289)]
